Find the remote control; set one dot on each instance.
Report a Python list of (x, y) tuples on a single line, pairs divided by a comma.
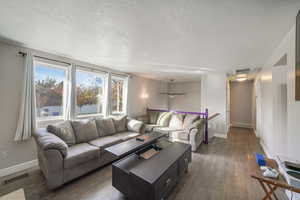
[(140, 139)]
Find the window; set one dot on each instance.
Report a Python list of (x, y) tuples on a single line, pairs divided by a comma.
[(90, 94), (64, 91), (49, 82), (118, 95)]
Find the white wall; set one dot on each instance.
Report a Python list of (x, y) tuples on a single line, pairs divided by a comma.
[(241, 103), (266, 129), (11, 78), (279, 83), (290, 138), (214, 87), (140, 87), (191, 101)]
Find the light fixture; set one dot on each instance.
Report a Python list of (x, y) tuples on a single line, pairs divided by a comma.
[(241, 79), (172, 94), (144, 96)]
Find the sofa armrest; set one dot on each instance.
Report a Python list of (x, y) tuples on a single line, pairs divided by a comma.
[(51, 163), (195, 125), (135, 125), (48, 141), (196, 133)]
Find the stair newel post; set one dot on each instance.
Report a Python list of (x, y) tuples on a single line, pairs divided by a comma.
[(206, 127)]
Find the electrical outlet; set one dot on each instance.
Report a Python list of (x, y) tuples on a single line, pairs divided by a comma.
[(4, 155)]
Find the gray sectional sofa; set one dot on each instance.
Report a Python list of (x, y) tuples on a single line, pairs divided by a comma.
[(186, 128), (73, 148)]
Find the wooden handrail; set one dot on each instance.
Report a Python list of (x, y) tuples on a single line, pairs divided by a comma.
[(213, 116)]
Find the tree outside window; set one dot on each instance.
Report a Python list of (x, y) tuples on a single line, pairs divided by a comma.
[(49, 88), (89, 93)]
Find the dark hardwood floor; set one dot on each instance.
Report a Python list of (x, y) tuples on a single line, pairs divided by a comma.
[(218, 171)]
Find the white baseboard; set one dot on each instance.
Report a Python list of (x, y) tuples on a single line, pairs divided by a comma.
[(219, 135), (241, 125), (18, 168)]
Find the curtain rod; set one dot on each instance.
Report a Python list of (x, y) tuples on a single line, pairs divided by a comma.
[(24, 54), (91, 68), (122, 75)]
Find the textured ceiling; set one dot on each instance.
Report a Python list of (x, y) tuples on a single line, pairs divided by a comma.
[(157, 38)]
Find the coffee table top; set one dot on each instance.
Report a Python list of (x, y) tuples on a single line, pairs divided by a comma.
[(132, 145), (151, 169)]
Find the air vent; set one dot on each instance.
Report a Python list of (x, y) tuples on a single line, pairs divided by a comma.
[(15, 178), (242, 71)]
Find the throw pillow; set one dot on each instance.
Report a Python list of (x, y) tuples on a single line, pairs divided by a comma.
[(120, 123), (85, 131), (64, 131), (105, 126), (164, 119), (176, 121), (134, 125), (189, 119)]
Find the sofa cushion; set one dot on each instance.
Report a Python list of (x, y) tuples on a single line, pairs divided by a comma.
[(85, 130), (120, 123), (152, 116), (189, 119), (106, 141), (134, 125), (180, 135), (150, 127), (126, 135), (165, 130), (164, 118), (176, 121), (64, 131), (79, 154), (105, 126)]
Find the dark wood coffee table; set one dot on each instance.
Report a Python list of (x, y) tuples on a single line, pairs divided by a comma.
[(154, 178), (132, 145)]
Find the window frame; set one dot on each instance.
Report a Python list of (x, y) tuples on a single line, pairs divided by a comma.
[(55, 65), (103, 75), (124, 94), (69, 96)]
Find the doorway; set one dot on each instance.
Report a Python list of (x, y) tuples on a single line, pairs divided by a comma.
[(241, 103)]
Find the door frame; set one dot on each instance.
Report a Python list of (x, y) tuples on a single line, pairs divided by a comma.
[(257, 128)]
